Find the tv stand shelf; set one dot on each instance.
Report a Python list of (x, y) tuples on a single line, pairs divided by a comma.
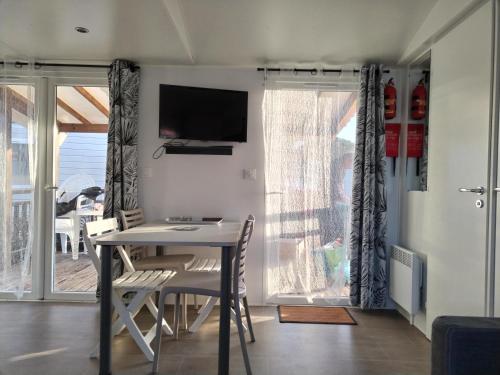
[(199, 150)]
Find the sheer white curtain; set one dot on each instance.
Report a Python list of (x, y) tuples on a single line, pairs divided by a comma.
[(18, 161), (309, 130)]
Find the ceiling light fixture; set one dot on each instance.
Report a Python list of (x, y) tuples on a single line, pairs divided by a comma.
[(82, 30)]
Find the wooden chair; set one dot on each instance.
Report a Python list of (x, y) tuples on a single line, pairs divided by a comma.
[(143, 283), (208, 284)]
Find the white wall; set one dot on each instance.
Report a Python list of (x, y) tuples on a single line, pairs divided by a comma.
[(214, 185), (417, 209), (205, 185)]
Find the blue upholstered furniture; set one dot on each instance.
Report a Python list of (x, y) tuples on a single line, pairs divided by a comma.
[(465, 346)]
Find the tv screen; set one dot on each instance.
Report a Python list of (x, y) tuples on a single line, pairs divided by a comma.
[(203, 114)]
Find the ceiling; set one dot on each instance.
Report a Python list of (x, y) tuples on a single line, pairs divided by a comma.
[(211, 32)]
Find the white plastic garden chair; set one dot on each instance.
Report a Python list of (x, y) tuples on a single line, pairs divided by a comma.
[(208, 284)]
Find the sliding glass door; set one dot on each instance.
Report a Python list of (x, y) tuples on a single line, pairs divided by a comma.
[(309, 145)]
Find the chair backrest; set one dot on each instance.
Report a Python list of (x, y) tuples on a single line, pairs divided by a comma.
[(132, 218), (95, 229), (241, 251), (84, 203)]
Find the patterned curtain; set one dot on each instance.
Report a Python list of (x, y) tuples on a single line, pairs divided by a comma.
[(121, 167), (368, 207)]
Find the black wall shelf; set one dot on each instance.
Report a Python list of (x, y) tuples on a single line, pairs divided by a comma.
[(199, 150)]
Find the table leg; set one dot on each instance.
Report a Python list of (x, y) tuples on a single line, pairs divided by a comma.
[(225, 307), (160, 251), (106, 307)]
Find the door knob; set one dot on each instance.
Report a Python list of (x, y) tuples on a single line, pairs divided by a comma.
[(479, 190)]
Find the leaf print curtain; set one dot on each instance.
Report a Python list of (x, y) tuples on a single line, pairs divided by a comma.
[(368, 283), (121, 167)]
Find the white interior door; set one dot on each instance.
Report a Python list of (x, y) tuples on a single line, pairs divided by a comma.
[(459, 139)]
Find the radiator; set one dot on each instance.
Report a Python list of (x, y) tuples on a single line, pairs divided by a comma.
[(405, 279)]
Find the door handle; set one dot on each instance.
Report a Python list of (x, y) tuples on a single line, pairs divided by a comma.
[(497, 189), (479, 190), (51, 188)]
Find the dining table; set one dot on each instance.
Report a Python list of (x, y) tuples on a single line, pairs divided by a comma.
[(224, 235)]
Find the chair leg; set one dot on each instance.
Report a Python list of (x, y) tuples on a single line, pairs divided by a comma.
[(135, 332), (195, 302), (235, 319), (154, 311), (177, 313), (157, 345), (75, 242), (241, 334), (203, 314), (64, 242), (184, 312), (249, 319)]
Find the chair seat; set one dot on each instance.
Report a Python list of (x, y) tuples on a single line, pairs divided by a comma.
[(143, 280), (205, 265), (177, 262), (200, 281)]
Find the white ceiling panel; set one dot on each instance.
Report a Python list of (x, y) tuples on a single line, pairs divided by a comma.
[(44, 29), (336, 31), (218, 32)]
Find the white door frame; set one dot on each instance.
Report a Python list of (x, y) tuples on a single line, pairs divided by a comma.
[(48, 293)]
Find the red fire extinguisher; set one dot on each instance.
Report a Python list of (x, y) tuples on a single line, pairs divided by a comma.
[(390, 100), (419, 101)]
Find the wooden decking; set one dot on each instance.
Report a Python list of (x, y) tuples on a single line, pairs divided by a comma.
[(70, 275), (75, 275)]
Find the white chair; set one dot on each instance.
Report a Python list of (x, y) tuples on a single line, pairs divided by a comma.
[(143, 283), (68, 225), (176, 262), (208, 284)]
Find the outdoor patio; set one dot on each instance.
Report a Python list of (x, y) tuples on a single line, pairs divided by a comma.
[(71, 275)]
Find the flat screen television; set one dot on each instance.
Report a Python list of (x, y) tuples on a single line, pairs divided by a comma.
[(203, 114)]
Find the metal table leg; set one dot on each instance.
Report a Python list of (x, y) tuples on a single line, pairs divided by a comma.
[(106, 307), (225, 306)]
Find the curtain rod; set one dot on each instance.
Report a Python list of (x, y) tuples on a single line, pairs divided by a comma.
[(39, 65), (313, 71)]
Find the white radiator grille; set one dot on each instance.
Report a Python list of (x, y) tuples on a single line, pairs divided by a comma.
[(402, 256), (405, 279)]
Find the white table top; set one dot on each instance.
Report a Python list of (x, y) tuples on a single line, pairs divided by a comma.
[(162, 234)]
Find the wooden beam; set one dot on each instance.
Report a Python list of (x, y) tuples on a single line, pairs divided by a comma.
[(175, 12), (65, 127), (18, 102), (72, 111), (91, 98)]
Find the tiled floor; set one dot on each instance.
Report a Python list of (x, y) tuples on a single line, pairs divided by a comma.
[(55, 338)]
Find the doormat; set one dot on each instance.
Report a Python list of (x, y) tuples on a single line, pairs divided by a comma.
[(315, 315)]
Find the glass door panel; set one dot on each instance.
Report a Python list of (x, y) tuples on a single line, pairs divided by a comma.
[(310, 137), (79, 168), (18, 159)]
